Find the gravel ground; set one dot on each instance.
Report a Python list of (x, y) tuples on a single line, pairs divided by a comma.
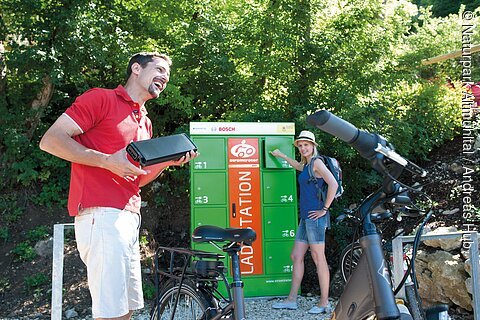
[(261, 309)]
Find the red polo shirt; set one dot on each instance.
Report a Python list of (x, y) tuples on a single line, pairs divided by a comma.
[(109, 121)]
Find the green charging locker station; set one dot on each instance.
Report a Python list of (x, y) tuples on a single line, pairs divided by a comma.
[(236, 182)]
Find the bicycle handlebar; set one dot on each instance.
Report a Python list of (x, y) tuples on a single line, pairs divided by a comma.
[(367, 144)]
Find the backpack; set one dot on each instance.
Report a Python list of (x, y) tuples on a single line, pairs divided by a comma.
[(333, 166)]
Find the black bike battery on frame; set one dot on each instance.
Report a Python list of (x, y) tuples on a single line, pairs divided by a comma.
[(162, 149)]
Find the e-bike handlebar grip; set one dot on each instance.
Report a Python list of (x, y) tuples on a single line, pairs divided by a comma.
[(364, 142), (326, 121)]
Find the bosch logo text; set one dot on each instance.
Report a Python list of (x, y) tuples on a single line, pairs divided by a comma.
[(226, 129)]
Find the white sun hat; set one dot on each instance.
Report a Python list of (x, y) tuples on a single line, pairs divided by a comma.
[(305, 136)]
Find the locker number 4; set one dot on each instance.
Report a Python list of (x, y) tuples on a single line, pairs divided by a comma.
[(286, 198)]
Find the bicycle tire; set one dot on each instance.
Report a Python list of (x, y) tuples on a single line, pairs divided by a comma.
[(412, 303), (193, 303), (348, 262)]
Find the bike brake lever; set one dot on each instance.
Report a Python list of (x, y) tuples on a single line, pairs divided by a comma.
[(409, 212)]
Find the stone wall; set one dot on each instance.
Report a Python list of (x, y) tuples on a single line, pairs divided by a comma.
[(444, 272)]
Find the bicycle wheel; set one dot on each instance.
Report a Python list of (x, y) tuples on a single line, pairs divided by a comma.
[(413, 303), (349, 261), (193, 304)]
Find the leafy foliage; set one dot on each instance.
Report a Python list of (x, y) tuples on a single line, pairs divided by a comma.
[(24, 252), (261, 60), (35, 281)]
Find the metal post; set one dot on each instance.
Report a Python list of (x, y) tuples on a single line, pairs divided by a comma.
[(474, 259), (57, 269), (397, 250), (397, 247)]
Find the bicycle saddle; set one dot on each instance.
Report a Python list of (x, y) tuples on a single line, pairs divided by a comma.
[(213, 233)]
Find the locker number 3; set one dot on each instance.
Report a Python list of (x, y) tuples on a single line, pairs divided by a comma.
[(201, 199)]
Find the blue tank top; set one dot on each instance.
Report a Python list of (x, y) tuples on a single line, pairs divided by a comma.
[(308, 193)]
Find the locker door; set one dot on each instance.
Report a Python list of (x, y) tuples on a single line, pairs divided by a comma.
[(212, 154), (279, 222), (285, 145), (277, 257), (279, 187), (209, 188)]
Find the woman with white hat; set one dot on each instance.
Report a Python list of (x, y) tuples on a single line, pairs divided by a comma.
[(314, 219)]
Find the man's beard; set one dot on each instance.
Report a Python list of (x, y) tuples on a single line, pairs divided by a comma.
[(154, 91)]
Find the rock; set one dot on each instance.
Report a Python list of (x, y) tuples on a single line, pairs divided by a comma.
[(455, 167), (337, 284), (71, 313), (468, 266), (441, 277), (469, 285), (450, 212), (476, 145), (44, 248), (447, 244)]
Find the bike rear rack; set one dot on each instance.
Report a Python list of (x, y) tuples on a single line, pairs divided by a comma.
[(470, 237), (206, 267)]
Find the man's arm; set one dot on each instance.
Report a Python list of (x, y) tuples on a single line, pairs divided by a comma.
[(59, 142), (155, 170)]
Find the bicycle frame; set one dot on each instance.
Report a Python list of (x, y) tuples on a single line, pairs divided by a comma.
[(357, 302), (238, 303), (205, 275)]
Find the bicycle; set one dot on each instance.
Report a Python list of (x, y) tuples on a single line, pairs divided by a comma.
[(187, 280), (350, 256), (368, 293), (351, 253)]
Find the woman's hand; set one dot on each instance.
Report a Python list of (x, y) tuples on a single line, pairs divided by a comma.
[(317, 214), (276, 153)]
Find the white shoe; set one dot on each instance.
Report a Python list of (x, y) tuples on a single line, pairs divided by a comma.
[(292, 305), (316, 309)]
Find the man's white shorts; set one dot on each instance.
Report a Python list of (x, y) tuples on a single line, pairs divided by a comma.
[(107, 240)]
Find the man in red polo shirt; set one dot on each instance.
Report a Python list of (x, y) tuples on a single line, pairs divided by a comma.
[(105, 185)]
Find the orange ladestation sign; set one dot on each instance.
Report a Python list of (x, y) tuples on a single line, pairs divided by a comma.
[(245, 200)]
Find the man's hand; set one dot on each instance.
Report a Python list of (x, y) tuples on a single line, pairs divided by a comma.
[(186, 158), (121, 166), (155, 170)]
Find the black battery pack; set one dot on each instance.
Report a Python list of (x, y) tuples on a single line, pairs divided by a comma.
[(162, 149)]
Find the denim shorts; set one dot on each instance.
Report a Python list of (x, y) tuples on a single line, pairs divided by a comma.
[(312, 231)]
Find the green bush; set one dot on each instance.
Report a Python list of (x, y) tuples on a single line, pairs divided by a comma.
[(37, 234), (233, 61), (35, 281), (24, 252), (148, 290)]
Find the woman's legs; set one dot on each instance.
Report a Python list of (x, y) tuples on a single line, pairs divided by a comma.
[(323, 273), (297, 255)]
